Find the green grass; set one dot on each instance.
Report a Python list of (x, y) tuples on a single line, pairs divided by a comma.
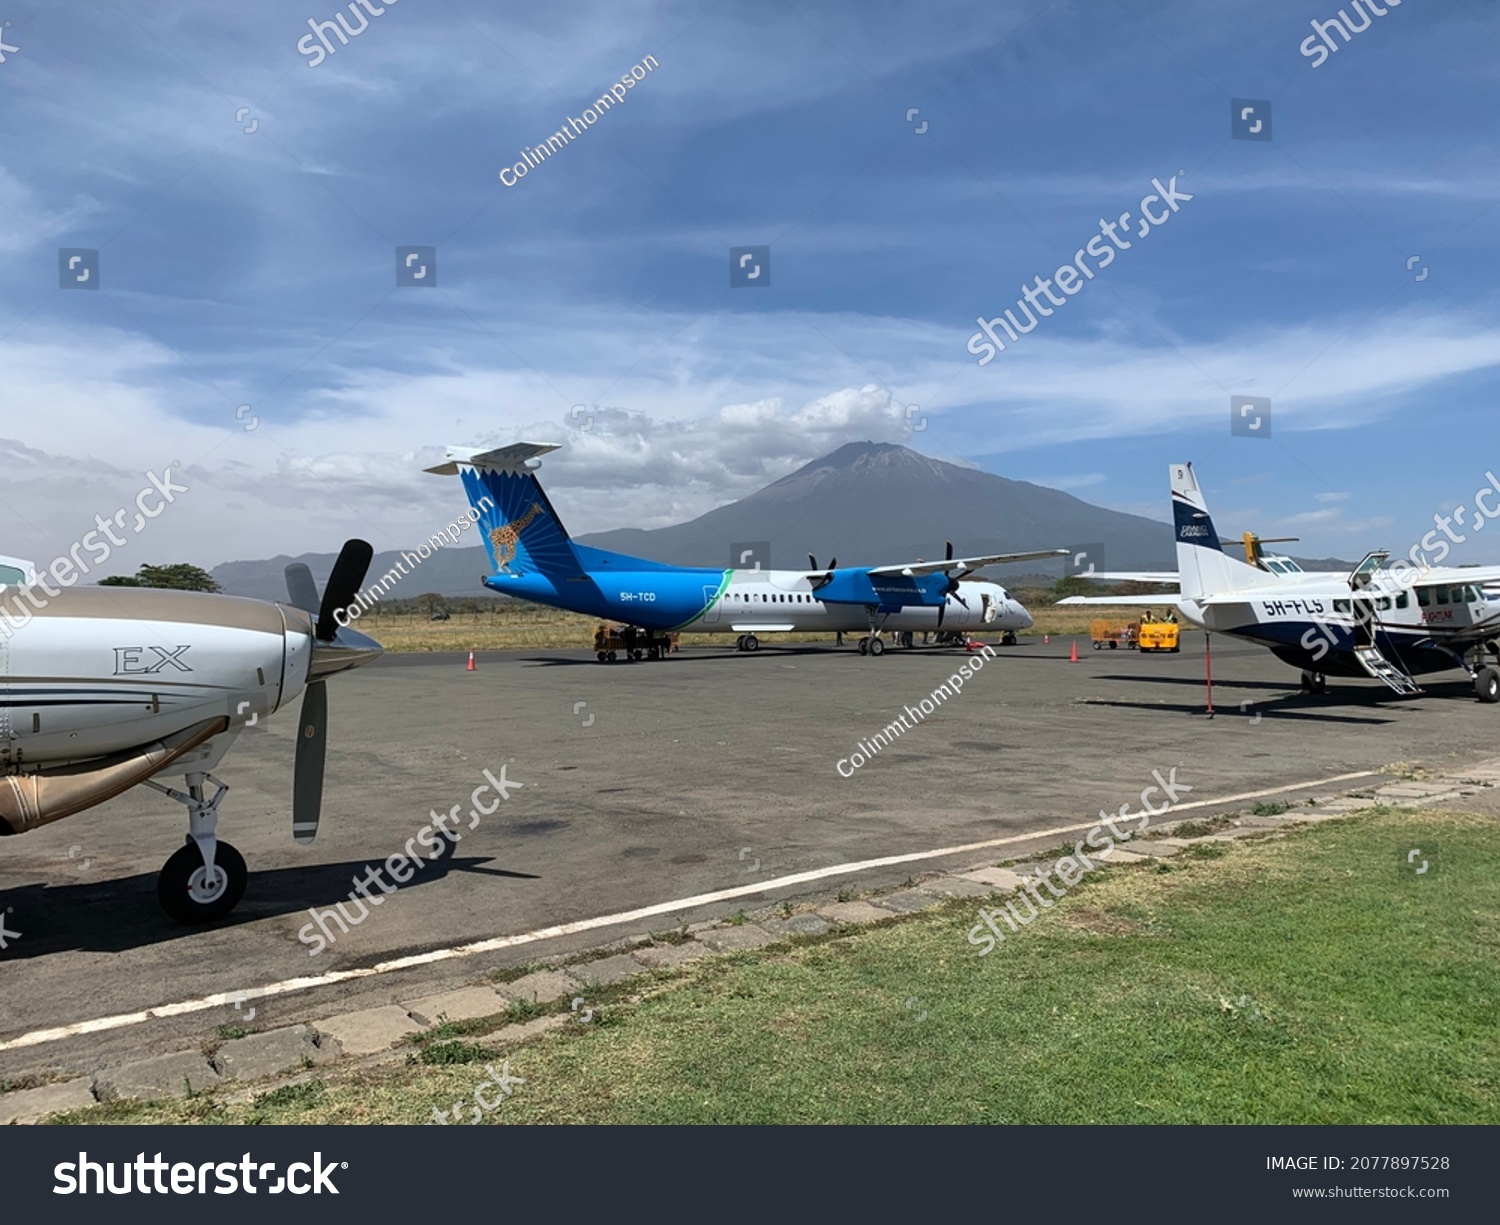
[(1297, 979)]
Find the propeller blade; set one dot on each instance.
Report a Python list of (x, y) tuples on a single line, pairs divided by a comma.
[(812, 562), (949, 555), (833, 563), (301, 589), (343, 585), (307, 777)]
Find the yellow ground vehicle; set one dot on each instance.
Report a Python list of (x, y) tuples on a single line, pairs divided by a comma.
[(1160, 636), (1135, 635), (1113, 634)]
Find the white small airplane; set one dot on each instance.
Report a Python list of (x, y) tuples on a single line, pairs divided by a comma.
[(1390, 624), (535, 559), (102, 688)]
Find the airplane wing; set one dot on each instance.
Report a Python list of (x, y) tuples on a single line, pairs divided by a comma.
[(1480, 576), (964, 563), (1143, 601)]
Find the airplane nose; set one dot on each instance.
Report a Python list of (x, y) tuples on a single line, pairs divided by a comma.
[(1026, 621)]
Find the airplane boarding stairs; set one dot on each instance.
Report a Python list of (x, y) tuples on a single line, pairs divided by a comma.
[(1382, 669)]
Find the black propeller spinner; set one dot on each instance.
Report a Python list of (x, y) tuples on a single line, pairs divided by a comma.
[(822, 580), (952, 587)]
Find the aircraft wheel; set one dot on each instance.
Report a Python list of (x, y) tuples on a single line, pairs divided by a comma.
[(864, 646), (877, 646), (189, 894), (1008, 639), (1487, 685), (601, 657), (752, 643), (1314, 682), (610, 657)]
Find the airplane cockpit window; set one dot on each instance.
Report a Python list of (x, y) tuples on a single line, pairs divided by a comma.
[(10, 576)]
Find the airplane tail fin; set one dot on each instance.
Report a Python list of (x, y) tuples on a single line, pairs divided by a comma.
[(520, 529), (1203, 568)]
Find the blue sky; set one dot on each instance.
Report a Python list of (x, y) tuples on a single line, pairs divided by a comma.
[(259, 268)]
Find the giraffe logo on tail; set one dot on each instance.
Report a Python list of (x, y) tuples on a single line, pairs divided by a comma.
[(507, 535)]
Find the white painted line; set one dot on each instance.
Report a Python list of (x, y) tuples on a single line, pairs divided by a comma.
[(38, 1037)]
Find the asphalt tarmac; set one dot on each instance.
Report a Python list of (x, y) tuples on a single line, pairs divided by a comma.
[(644, 783)]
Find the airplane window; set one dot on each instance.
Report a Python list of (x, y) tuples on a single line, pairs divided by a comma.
[(1424, 597), (1403, 600), (1343, 606), (1383, 603), (1441, 593), (11, 577), (1472, 593)]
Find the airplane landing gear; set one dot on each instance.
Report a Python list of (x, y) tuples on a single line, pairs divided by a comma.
[(1314, 682), (873, 645), (205, 879), (1487, 684), (747, 642), (1008, 639)]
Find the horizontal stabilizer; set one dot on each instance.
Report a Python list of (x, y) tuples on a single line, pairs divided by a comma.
[(1131, 576), (1122, 601), (511, 458)]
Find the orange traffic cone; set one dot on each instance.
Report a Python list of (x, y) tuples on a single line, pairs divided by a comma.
[(1046, 639), (1073, 658), (471, 661)]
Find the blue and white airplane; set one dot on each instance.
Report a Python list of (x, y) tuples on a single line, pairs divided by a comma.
[(1391, 623), (534, 559)]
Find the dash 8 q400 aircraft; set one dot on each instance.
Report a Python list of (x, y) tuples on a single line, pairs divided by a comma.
[(534, 559), (104, 688)]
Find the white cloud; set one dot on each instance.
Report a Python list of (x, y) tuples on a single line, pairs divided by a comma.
[(695, 412)]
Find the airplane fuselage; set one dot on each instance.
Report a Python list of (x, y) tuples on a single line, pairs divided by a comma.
[(98, 670), (751, 601), (1313, 622)]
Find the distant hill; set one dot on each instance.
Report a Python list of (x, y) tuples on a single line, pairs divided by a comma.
[(867, 503), (450, 571), (872, 502)]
